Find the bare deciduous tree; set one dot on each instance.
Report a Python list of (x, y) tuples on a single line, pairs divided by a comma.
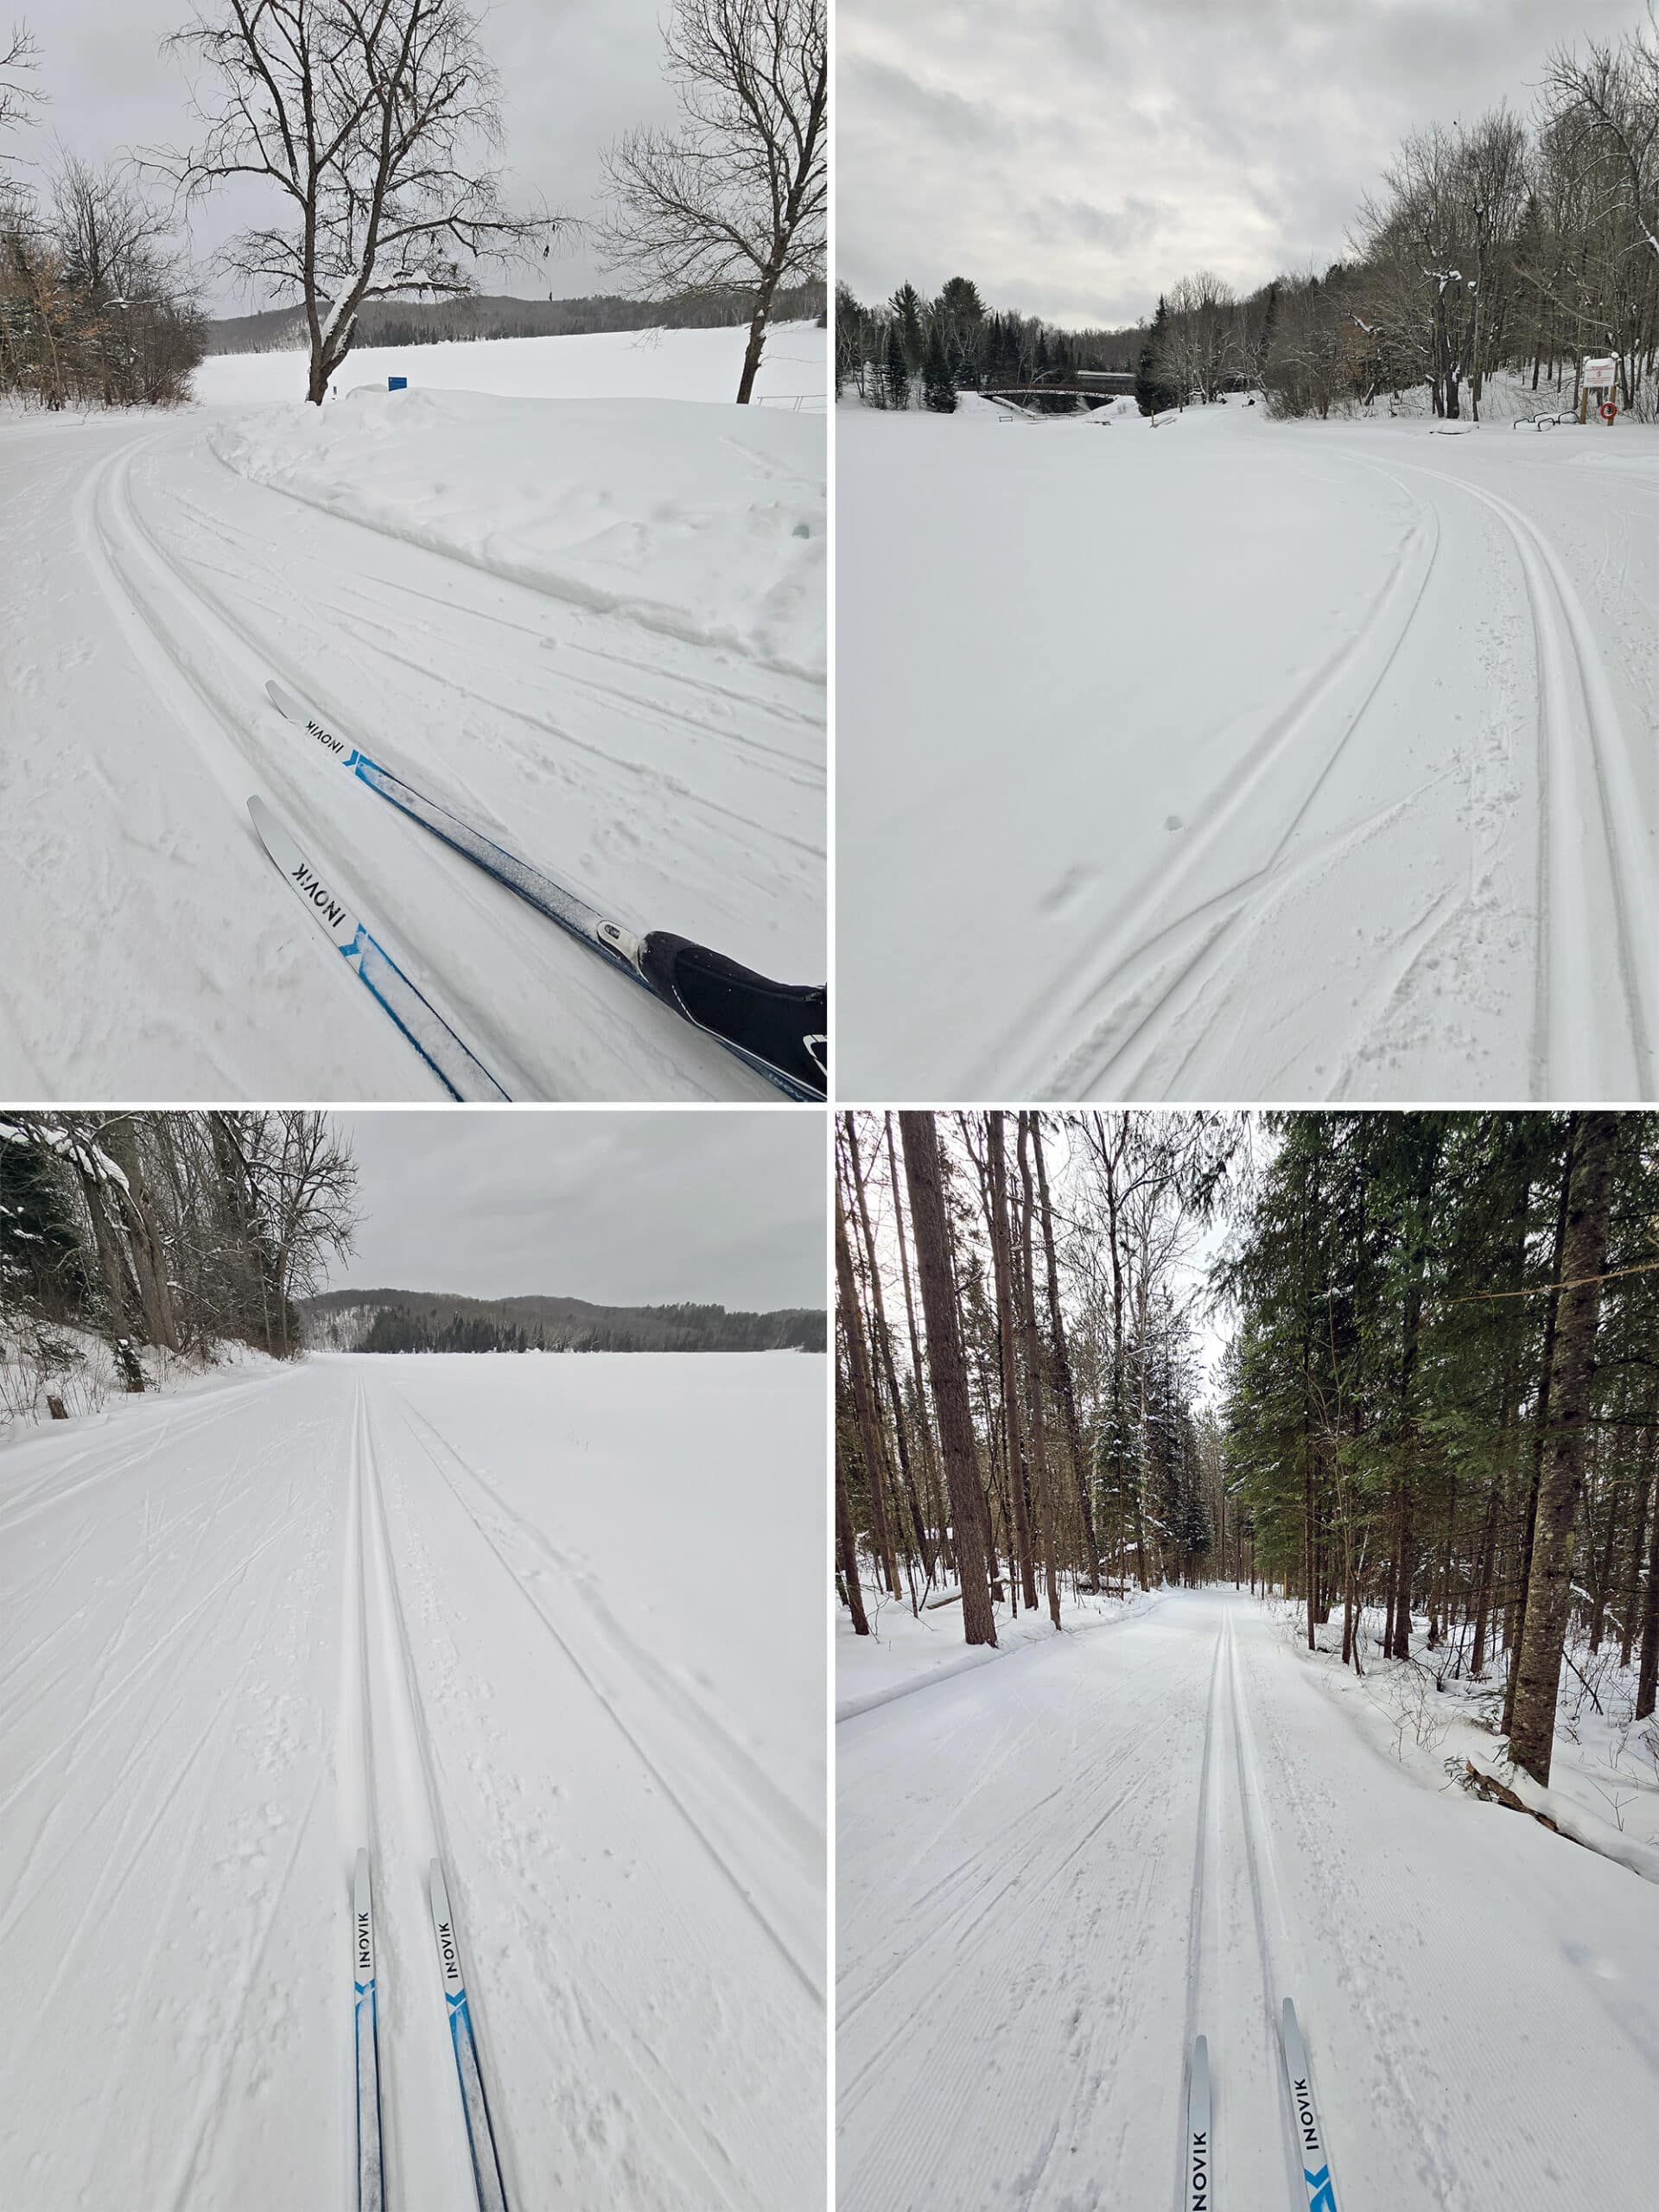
[(373, 120), (738, 193), (18, 60)]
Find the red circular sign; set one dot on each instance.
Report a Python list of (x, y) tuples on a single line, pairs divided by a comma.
[(1608, 410)]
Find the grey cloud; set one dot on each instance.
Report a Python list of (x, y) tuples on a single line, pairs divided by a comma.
[(1240, 133), (638, 1208)]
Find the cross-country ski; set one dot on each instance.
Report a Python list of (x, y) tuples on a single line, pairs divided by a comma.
[(778, 1029), (1310, 2143), (366, 2030), (1200, 2157), (481, 2135), (462, 1074)]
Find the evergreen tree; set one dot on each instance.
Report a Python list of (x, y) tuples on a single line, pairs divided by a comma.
[(897, 375), (939, 392), (907, 321)]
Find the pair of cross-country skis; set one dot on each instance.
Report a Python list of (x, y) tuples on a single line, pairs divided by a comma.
[(780, 1030), (481, 2134), (1313, 2159)]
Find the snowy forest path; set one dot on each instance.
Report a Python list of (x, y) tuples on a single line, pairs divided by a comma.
[(1033, 2051), (279, 1636), (158, 589)]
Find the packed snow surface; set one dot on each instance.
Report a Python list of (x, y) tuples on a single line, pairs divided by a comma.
[(592, 624), (1056, 1870), (537, 1616), (1235, 759)]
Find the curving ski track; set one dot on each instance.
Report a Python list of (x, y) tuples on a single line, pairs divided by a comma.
[(682, 784)]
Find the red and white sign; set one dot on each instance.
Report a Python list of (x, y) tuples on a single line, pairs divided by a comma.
[(1601, 375), (1608, 412)]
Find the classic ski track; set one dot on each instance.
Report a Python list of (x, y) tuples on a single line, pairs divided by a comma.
[(1274, 756), (392, 1690), (618, 2035), (802, 1973), (1196, 1917), (1125, 1074), (740, 1769), (1585, 769), (1380, 2028), (202, 590), (227, 734), (1253, 1827)]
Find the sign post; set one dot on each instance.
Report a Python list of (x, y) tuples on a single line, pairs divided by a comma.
[(1601, 377)]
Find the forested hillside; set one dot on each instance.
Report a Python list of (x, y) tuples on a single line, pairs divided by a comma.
[(127, 1238), (486, 316), (1434, 1424), (409, 1320)]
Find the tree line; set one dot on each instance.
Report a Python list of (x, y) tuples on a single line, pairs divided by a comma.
[(480, 316), (175, 1232), (1501, 245), (95, 308), (1437, 1420), (400, 1320), (912, 352)]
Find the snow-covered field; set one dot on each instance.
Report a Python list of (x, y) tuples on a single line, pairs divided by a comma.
[(537, 1615), (1055, 1869), (1246, 759), (562, 584)]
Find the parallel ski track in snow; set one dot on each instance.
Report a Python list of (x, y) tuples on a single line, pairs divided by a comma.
[(388, 1779), (1134, 992), (736, 1771), (1596, 1021), (1596, 862), (159, 605)]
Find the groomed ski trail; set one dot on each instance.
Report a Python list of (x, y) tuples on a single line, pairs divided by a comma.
[(243, 1636), (1020, 1978)]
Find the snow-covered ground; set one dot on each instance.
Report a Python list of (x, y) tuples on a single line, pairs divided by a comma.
[(1055, 1871), (1235, 759), (539, 1615), (583, 603)]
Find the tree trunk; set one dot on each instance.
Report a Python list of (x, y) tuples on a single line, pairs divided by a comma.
[(864, 1407), (932, 1233), (1034, 1383), (883, 1348), (1549, 1585), (1063, 1363), (1638, 1538), (930, 1470), (1518, 1629), (847, 1546), (1003, 1269)]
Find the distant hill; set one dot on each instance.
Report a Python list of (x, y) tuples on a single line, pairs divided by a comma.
[(420, 1320), (429, 322)]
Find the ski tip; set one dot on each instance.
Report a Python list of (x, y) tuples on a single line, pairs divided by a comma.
[(360, 1870), (1200, 2053), (283, 699)]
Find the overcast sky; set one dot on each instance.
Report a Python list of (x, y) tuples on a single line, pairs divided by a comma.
[(1074, 157), (639, 1208), (576, 73)]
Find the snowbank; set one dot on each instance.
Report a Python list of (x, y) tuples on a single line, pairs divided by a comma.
[(612, 363), (1604, 1790), (705, 524), (81, 1371), (904, 1653)]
